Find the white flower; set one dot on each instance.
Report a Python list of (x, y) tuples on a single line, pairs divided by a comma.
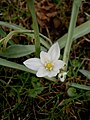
[(62, 76), (48, 64)]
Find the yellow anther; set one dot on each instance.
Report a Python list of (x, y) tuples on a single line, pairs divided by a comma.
[(49, 66)]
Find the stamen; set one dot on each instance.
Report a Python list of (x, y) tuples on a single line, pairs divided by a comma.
[(49, 66)]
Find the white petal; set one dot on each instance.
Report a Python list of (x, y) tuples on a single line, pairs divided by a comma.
[(42, 72), (53, 73), (62, 76), (33, 63), (62, 79), (58, 64), (44, 57), (54, 51)]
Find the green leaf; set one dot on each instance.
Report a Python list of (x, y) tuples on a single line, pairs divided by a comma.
[(31, 8), (88, 95), (71, 92), (12, 26), (43, 39), (17, 66), (80, 31), (86, 73), (2, 33), (83, 87), (16, 51), (37, 88), (34, 92), (14, 65)]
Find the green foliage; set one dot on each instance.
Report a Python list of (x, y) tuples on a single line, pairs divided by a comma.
[(79, 31), (7, 63), (75, 66), (31, 7), (76, 85), (37, 88), (74, 14), (71, 92), (26, 87), (16, 51), (14, 65), (22, 94), (56, 1), (86, 73), (2, 33), (88, 95)]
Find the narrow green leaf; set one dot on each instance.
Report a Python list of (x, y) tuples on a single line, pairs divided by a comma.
[(43, 39), (12, 26), (16, 51), (83, 87), (2, 33), (86, 73), (31, 8), (17, 66), (80, 31), (14, 65), (73, 20)]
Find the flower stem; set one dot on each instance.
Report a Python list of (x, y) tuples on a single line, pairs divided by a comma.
[(74, 14), (31, 7)]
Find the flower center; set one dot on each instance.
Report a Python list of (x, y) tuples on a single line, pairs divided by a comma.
[(49, 66)]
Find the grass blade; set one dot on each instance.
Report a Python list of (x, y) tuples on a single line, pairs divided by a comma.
[(75, 10), (16, 51), (14, 65), (43, 39), (79, 31), (17, 66), (83, 87), (31, 7), (86, 73)]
